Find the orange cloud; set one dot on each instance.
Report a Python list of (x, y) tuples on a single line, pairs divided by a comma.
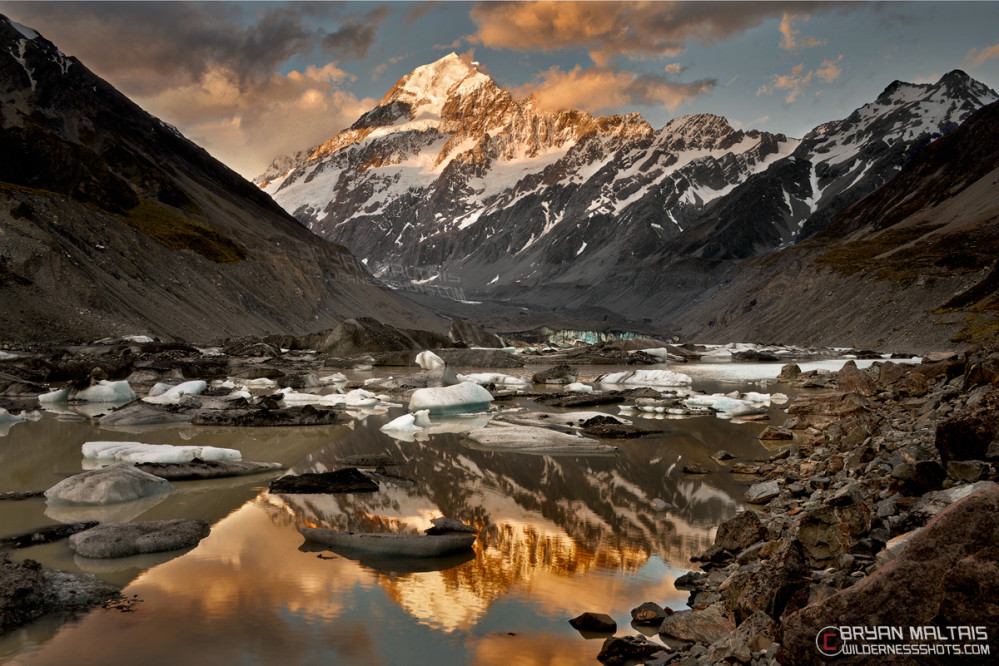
[(798, 79), (789, 40), (978, 57), (247, 125), (599, 88), (608, 29)]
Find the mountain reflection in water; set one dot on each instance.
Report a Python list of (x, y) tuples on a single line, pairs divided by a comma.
[(559, 535)]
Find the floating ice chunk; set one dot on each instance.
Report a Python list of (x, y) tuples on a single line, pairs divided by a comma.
[(105, 391), (778, 398), (463, 397), (423, 418), (338, 378), (261, 382), (662, 354), (646, 378), (429, 360), (405, 423), (578, 387), (732, 404), (483, 378), (165, 394), (59, 395), (137, 452), (7, 417), (140, 339), (108, 485), (361, 398)]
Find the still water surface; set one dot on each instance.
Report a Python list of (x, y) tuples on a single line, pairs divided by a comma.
[(559, 535)]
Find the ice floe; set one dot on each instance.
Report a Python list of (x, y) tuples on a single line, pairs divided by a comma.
[(108, 485), (105, 391), (578, 387), (463, 397), (429, 360), (646, 378), (137, 452), (495, 378), (165, 394), (732, 404)]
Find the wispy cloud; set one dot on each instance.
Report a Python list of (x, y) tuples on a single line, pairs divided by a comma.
[(789, 40), (599, 88), (978, 57), (793, 83)]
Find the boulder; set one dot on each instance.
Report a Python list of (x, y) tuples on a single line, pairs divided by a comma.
[(740, 531), (621, 650), (788, 373), (967, 434), (600, 623), (757, 633), (115, 540), (781, 577), (931, 504), (761, 493), (699, 626), (775, 434), (120, 482), (830, 405), (694, 468), (826, 532), (945, 576), (306, 415), (922, 476), (649, 614), (559, 374), (852, 380)]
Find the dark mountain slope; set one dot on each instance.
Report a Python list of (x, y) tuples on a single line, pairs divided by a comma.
[(913, 265), (112, 222)]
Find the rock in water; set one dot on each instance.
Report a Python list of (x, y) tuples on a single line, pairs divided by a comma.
[(114, 540), (700, 626), (596, 622), (349, 480), (619, 650), (649, 614), (206, 469), (120, 482), (761, 493), (28, 590), (444, 525), (560, 374)]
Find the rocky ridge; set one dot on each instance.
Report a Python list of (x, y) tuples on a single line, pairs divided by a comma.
[(881, 512)]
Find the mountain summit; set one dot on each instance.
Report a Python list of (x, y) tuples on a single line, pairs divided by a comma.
[(453, 177)]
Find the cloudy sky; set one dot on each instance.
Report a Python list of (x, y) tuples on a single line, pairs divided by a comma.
[(253, 80)]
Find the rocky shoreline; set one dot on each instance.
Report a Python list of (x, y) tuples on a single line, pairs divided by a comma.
[(881, 510)]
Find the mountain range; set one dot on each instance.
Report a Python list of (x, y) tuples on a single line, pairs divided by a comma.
[(114, 223), (554, 217)]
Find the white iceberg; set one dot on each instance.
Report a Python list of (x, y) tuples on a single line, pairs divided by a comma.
[(59, 395), (646, 378), (732, 404), (578, 387), (7, 417), (409, 422), (105, 391), (429, 360), (337, 378), (137, 452), (483, 378), (261, 382), (165, 394), (463, 397)]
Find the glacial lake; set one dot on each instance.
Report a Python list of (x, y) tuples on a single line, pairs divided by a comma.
[(559, 535)]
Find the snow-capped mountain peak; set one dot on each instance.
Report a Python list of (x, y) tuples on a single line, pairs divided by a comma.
[(429, 87)]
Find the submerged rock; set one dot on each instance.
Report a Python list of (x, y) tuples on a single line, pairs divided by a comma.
[(28, 591), (620, 650), (126, 539), (306, 415), (47, 534), (649, 614), (120, 482), (348, 480), (560, 374), (207, 469), (600, 623)]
